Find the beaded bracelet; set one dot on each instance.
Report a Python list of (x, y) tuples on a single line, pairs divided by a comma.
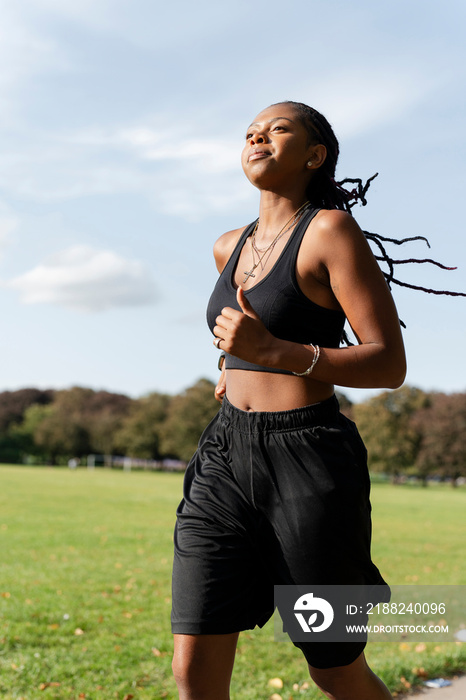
[(315, 359)]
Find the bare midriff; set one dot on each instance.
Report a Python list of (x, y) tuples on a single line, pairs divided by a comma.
[(268, 391)]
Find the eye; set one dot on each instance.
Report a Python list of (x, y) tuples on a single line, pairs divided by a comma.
[(279, 127)]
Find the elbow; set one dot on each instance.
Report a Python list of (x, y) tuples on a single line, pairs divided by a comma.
[(391, 367), (397, 375), (396, 382)]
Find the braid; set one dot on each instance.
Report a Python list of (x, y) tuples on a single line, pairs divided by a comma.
[(391, 279), (325, 192)]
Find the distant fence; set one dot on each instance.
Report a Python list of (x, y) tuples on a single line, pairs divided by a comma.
[(129, 463)]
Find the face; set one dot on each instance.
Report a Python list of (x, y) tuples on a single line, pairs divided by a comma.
[(277, 147)]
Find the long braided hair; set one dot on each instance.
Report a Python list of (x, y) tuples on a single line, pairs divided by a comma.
[(329, 194)]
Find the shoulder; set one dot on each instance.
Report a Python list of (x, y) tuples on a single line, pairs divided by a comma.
[(225, 245), (334, 223), (334, 232)]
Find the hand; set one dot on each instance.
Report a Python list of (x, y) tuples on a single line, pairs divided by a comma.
[(220, 389), (242, 333)]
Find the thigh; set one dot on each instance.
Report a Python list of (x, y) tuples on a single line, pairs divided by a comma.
[(320, 512), (319, 508)]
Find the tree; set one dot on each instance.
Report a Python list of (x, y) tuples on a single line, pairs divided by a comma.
[(27, 431), (188, 415), (14, 443), (103, 414), (13, 404), (392, 440), (442, 426), (78, 422), (139, 435), (61, 433), (346, 405)]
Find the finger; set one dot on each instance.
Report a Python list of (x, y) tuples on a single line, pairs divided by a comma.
[(220, 389), (228, 314), (219, 332), (245, 304), (223, 321)]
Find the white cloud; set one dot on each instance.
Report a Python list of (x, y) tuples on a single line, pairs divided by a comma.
[(85, 279), (180, 167), (156, 142), (185, 176), (210, 155)]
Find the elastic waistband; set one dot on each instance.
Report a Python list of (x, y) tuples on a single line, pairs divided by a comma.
[(248, 422)]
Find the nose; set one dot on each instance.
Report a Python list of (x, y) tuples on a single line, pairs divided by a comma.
[(257, 138)]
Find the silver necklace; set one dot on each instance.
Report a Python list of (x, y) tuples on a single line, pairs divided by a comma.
[(262, 252)]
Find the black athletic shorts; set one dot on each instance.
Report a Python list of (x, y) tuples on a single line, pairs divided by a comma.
[(271, 498)]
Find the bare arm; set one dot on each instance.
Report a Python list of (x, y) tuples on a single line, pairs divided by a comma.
[(224, 247)]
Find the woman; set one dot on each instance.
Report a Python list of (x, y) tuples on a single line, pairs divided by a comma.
[(278, 491)]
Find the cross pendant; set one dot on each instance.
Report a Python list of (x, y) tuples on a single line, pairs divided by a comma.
[(249, 274)]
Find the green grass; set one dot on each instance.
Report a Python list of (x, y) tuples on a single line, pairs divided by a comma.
[(85, 586)]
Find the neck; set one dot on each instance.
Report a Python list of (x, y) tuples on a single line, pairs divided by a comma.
[(275, 210)]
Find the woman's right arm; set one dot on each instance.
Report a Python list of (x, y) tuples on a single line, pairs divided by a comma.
[(223, 248)]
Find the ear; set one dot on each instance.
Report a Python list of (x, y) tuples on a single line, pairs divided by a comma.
[(316, 156)]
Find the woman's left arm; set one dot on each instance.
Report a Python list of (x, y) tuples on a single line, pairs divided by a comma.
[(362, 292)]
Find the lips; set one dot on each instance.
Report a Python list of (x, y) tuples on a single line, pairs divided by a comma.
[(257, 155)]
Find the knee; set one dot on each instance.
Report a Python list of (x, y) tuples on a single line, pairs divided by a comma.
[(183, 671), (329, 682), (353, 682), (191, 677), (339, 682)]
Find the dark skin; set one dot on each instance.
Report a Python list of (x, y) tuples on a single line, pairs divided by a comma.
[(335, 269)]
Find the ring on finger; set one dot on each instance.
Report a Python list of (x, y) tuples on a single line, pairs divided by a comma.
[(217, 342)]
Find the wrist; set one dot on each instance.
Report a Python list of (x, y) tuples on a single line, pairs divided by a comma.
[(294, 357), (221, 361), (281, 354), (273, 353), (315, 359)]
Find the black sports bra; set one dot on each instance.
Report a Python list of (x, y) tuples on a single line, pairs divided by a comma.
[(278, 300)]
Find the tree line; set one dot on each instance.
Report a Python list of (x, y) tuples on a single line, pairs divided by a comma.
[(52, 427), (408, 432)]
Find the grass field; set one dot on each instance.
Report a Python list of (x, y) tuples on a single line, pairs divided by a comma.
[(85, 587)]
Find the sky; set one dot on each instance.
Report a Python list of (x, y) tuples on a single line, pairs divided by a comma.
[(121, 128)]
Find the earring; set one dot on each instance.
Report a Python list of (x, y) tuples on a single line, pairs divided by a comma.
[(309, 163)]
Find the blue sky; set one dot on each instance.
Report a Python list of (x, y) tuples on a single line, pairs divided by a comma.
[(120, 135)]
